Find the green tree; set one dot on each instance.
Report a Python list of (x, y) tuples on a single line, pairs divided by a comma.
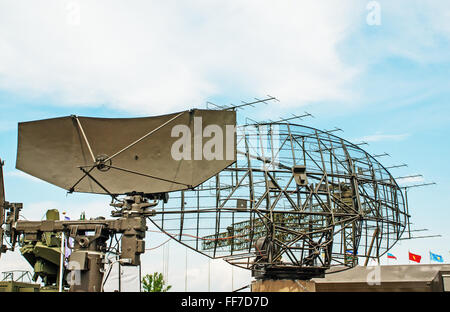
[(154, 283)]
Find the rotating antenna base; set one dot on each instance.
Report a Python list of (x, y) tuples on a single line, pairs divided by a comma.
[(264, 272)]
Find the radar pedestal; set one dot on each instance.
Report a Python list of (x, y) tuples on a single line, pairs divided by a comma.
[(87, 260), (271, 275), (274, 272), (267, 265)]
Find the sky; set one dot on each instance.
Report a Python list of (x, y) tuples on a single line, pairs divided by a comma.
[(378, 70)]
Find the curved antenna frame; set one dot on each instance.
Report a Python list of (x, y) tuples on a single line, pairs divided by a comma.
[(255, 214)]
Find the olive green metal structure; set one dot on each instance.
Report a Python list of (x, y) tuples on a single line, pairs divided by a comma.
[(44, 255), (129, 159)]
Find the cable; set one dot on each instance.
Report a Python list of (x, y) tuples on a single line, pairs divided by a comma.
[(153, 248), (105, 279), (21, 215), (242, 288), (107, 275)]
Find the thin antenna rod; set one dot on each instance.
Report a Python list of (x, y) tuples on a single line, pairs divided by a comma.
[(381, 155), (218, 106), (149, 176), (417, 237), (397, 166), (248, 118), (419, 185), (411, 176), (406, 188), (142, 138), (85, 138), (72, 189), (334, 130), (98, 183), (270, 98), (294, 117)]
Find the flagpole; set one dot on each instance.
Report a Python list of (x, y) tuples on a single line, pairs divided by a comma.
[(61, 263)]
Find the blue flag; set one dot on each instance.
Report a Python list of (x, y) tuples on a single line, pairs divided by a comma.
[(435, 257)]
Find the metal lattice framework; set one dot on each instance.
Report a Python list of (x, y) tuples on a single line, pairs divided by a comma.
[(297, 197)]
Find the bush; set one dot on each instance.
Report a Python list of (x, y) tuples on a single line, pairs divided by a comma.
[(154, 283)]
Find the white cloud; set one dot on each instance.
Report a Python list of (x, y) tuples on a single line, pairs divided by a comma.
[(72, 208), (408, 180), (378, 137), (419, 34), (21, 174), (6, 125), (11, 261), (223, 276), (415, 30), (161, 56)]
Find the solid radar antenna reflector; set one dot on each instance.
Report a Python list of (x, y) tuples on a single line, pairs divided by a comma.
[(120, 155)]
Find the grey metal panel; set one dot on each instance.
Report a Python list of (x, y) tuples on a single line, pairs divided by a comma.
[(391, 278), (388, 273), (446, 282), (54, 149)]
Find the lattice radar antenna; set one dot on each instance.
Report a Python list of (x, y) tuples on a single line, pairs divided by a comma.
[(287, 201), (296, 202)]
